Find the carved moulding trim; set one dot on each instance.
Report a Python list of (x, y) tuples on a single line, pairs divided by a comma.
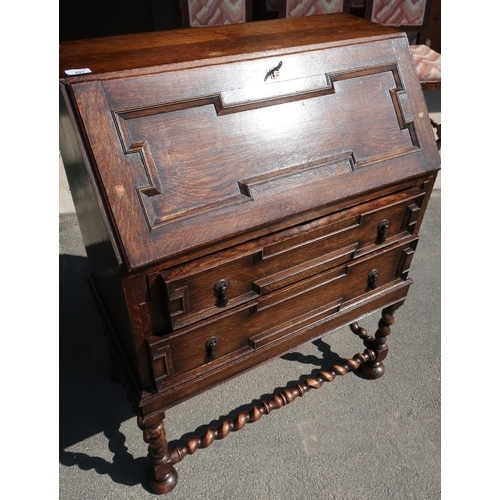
[(229, 102)]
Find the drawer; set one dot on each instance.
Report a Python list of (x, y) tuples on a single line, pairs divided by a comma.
[(228, 279), (278, 315)]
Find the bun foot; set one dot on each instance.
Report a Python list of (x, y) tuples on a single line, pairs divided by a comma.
[(165, 485), (373, 371)]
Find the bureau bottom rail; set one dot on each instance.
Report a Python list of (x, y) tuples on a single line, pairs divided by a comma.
[(164, 458)]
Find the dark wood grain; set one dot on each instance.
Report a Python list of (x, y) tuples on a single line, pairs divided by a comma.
[(232, 211), (182, 47), (183, 175)]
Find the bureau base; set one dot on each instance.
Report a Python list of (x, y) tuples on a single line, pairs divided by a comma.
[(163, 458)]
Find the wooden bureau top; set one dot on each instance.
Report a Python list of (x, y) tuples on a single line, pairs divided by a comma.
[(193, 147), (181, 46)]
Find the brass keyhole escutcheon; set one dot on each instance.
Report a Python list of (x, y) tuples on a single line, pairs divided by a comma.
[(220, 289)]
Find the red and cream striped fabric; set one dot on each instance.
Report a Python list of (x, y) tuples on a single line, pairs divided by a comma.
[(300, 8), (398, 12), (427, 63), (216, 12)]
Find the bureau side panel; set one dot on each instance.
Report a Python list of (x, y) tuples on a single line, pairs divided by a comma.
[(104, 257)]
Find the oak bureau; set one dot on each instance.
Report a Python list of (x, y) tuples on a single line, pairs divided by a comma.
[(242, 190)]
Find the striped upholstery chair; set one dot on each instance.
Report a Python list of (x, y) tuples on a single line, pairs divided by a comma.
[(428, 66), (411, 16), (199, 13), (300, 8)]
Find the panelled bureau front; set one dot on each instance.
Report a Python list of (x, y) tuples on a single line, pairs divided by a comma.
[(242, 190)]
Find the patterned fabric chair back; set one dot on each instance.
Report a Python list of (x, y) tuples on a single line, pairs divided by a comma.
[(399, 13), (199, 13), (300, 8), (428, 66)]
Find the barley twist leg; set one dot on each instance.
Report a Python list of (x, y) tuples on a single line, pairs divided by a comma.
[(378, 344), (165, 476)]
